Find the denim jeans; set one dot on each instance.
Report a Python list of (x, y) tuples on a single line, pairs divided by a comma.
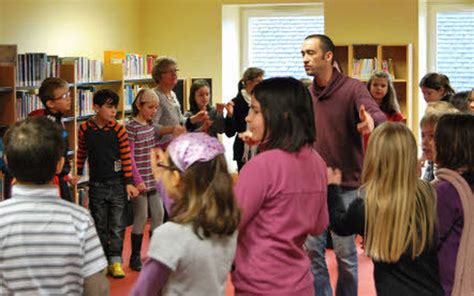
[(346, 255), (107, 203)]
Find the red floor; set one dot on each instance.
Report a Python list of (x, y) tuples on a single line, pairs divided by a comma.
[(123, 286)]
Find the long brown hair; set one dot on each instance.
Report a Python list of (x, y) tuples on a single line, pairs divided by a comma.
[(207, 199), (399, 207)]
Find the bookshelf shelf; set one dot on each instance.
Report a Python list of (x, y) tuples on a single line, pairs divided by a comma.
[(84, 117), (397, 59), (93, 83), (5, 89), (27, 88), (140, 80)]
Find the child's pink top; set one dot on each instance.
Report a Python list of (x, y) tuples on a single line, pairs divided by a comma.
[(283, 199)]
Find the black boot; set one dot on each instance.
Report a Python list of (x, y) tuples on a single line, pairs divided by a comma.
[(135, 258)]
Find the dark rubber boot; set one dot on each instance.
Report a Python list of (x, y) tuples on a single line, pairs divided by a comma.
[(135, 258)]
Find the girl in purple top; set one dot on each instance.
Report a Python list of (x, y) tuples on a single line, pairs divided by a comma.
[(281, 193), (454, 146), (141, 136)]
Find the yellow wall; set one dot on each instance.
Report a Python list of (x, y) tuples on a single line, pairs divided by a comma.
[(70, 27), (188, 30)]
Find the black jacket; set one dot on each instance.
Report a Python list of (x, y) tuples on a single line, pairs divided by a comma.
[(237, 124)]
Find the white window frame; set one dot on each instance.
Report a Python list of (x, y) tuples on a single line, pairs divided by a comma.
[(248, 11), (433, 9)]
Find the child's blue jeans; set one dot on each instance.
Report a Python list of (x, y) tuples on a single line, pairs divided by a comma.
[(107, 202)]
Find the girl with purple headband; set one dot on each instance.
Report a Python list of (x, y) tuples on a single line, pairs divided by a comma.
[(193, 252)]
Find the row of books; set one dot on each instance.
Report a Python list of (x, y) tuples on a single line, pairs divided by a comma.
[(86, 70), (25, 103), (130, 92), (364, 68), (135, 65), (32, 68), (84, 104)]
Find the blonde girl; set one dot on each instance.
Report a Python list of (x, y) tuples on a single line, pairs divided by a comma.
[(192, 254), (142, 138), (396, 216)]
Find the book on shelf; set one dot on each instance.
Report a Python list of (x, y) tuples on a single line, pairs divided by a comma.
[(136, 66), (84, 101), (387, 67), (114, 57), (130, 92), (364, 68), (52, 66), (150, 60), (26, 102), (86, 70), (31, 69)]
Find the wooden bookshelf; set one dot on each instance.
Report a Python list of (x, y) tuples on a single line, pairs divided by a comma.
[(401, 56), (113, 78)]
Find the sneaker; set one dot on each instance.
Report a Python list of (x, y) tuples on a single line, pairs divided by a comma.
[(116, 271)]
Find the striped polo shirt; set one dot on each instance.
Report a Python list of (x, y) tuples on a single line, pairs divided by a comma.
[(142, 139), (47, 245)]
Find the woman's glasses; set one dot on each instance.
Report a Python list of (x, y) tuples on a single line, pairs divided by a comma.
[(174, 71)]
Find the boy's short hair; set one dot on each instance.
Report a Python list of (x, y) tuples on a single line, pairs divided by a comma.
[(48, 86), (33, 148), (105, 96)]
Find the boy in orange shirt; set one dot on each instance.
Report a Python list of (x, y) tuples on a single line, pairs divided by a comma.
[(104, 142)]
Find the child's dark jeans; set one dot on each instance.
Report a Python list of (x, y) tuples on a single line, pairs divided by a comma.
[(107, 202)]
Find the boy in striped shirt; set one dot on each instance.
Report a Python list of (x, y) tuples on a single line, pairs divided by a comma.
[(104, 143), (48, 246)]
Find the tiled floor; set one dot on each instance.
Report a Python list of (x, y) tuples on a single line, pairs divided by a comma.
[(366, 283)]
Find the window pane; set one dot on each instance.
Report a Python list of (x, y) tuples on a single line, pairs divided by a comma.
[(455, 48), (275, 43)]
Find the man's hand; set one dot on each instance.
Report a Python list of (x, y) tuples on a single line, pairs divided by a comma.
[(366, 124)]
